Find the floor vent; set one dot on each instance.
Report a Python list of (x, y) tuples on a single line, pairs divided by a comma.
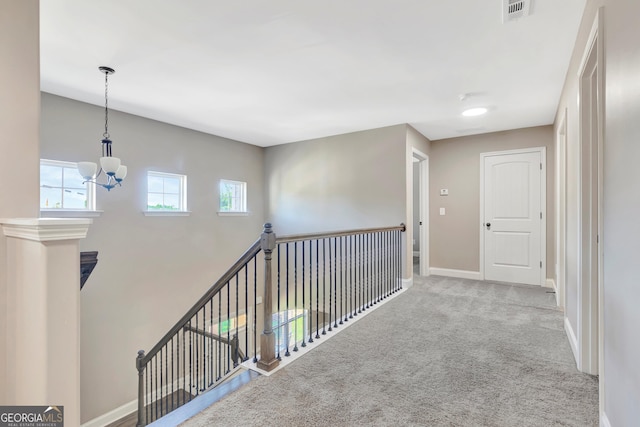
[(515, 9)]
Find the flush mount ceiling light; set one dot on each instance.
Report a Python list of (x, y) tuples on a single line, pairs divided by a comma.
[(113, 170), (476, 111)]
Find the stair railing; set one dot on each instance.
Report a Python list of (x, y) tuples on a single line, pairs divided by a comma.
[(311, 284)]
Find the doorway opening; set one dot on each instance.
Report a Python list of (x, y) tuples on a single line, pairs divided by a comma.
[(591, 138), (420, 213)]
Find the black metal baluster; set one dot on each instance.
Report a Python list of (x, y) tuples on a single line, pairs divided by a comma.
[(184, 362), (324, 286), (255, 309), (341, 277), (286, 317), (317, 289), (366, 267), (399, 234), (304, 332), (166, 371), (212, 349), (246, 312), (190, 361), (235, 349), (386, 264), (360, 270), (196, 356), (148, 391), (203, 351), (378, 266), (330, 284), (295, 296), (311, 291), (219, 333), (177, 379), (372, 271), (228, 358), (277, 330), (352, 276)]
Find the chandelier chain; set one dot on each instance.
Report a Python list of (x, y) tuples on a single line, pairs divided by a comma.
[(106, 106)]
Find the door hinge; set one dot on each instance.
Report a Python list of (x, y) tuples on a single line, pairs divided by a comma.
[(540, 215), (540, 166), (540, 264)]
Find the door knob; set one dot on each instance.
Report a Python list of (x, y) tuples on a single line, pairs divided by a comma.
[(488, 226)]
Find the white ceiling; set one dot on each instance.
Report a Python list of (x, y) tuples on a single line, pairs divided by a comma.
[(268, 72)]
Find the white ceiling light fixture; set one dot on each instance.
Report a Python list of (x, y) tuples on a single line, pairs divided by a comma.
[(476, 111), (114, 171)]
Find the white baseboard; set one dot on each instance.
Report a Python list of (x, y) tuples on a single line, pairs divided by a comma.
[(112, 416), (604, 421), (407, 283), (573, 341), (461, 274)]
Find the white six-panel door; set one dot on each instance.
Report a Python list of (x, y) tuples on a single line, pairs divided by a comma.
[(512, 220)]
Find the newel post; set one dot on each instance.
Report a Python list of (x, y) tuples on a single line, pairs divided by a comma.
[(268, 360), (140, 366)]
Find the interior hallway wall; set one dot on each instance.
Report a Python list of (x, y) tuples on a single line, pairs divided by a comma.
[(621, 201), (354, 180), (151, 270), (455, 165)]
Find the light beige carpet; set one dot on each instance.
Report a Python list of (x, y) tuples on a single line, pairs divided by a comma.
[(448, 352)]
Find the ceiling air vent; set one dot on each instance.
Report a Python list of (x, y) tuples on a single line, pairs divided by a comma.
[(515, 9)]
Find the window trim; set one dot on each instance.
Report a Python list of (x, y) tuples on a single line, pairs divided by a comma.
[(245, 211), (90, 211), (182, 195)]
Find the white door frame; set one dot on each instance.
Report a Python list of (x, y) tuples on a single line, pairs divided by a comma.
[(423, 164), (561, 211), (590, 313), (543, 205)]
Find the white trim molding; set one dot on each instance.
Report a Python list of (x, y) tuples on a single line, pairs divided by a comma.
[(461, 274), (166, 213), (407, 283), (46, 229), (573, 341), (113, 416), (69, 213)]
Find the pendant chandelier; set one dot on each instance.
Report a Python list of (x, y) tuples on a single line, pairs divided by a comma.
[(113, 171)]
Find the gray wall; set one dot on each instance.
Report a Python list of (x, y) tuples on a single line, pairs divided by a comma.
[(341, 182), (621, 202), (455, 165), (150, 269)]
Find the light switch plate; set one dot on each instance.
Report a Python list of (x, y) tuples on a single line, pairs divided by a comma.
[(444, 191), (441, 211)]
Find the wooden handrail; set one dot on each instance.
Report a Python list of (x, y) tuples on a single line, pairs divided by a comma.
[(327, 235)]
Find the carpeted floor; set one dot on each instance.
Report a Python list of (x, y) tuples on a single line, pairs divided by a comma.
[(447, 352)]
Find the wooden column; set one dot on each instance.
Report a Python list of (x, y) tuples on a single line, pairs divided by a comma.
[(268, 360)]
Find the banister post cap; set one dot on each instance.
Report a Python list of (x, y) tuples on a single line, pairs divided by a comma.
[(268, 238)]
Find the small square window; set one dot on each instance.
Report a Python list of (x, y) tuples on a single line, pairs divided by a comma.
[(62, 187), (233, 196), (166, 192)]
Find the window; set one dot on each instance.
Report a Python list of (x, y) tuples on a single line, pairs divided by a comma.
[(233, 196), (166, 192), (62, 187)]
